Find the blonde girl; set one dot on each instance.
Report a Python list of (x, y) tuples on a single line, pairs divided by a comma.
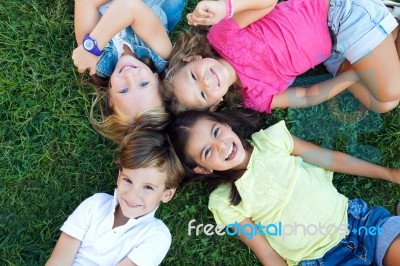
[(125, 44)]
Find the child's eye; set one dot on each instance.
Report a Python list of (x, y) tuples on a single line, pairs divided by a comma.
[(216, 132), (124, 90), (127, 180), (203, 95), (207, 153), (143, 84), (193, 76), (148, 187)]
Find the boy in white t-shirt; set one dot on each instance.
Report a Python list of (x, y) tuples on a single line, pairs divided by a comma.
[(122, 229)]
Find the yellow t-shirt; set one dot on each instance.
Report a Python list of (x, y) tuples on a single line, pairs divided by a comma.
[(283, 193)]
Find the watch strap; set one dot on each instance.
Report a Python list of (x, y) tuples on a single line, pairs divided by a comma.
[(95, 49)]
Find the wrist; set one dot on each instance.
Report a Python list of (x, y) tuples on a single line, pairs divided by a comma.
[(90, 45), (229, 9)]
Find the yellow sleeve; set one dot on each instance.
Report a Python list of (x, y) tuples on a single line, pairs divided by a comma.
[(223, 211), (277, 135)]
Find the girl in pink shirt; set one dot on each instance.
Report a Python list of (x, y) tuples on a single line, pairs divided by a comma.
[(262, 46)]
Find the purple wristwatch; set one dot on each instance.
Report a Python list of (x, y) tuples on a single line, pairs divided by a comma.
[(90, 45)]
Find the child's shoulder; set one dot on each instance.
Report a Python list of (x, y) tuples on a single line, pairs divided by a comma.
[(276, 135), (157, 228), (98, 200), (221, 193)]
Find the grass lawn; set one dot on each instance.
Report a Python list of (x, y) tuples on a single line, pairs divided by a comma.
[(51, 159)]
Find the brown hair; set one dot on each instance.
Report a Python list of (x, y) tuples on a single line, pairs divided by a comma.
[(191, 42), (150, 148), (242, 123)]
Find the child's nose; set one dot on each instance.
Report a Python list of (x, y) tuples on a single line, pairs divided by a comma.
[(133, 193), (219, 145)]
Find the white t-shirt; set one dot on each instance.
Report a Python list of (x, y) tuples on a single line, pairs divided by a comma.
[(145, 240)]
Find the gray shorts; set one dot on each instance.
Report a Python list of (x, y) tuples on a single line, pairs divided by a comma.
[(357, 27)]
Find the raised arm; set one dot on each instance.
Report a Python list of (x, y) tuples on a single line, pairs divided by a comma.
[(121, 14), (245, 12), (86, 17), (134, 13), (65, 251), (260, 247), (300, 97), (341, 162)]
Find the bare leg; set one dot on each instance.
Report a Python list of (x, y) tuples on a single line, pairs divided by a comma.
[(380, 71), (361, 93), (392, 256)]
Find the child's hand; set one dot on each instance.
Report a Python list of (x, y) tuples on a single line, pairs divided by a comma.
[(84, 60), (207, 13)]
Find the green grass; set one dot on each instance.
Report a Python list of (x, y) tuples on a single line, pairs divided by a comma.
[(51, 159)]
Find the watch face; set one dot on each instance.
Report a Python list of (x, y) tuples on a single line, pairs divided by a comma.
[(88, 44)]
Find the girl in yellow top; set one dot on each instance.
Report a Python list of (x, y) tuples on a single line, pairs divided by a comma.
[(281, 187)]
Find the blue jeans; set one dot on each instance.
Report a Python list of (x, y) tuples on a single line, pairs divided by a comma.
[(359, 247)]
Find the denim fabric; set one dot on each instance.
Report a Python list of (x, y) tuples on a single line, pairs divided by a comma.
[(357, 27), (109, 58), (359, 246), (173, 10)]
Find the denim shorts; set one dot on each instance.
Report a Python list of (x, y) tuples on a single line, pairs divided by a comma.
[(371, 231), (170, 17), (357, 27)]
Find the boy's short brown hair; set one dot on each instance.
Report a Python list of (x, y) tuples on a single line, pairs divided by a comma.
[(151, 148)]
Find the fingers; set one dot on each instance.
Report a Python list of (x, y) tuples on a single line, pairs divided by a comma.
[(200, 16), (202, 11), (195, 20), (92, 71)]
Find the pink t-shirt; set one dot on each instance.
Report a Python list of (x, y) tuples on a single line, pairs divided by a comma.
[(269, 53)]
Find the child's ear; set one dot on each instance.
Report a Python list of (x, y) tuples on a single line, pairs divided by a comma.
[(110, 102), (202, 171), (192, 58), (168, 194)]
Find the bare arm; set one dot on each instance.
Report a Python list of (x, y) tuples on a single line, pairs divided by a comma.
[(121, 14), (134, 13), (245, 11), (86, 17), (341, 162), (299, 97), (65, 251), (260, 247)]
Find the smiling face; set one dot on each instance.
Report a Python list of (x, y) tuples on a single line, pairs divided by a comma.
[(214, 146), (140, 191), (134, 87), (202, 83)]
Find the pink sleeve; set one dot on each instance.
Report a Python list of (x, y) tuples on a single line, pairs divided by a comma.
[(257, 94)]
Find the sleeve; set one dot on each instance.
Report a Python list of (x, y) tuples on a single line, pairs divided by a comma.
[(276, 135), (78, 222), (153, 249), (258, 98), (223, 211)]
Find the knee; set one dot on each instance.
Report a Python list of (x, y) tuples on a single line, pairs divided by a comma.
[(384, 107), (389, 93)]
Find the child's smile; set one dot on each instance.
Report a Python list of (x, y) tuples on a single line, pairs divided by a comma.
[(203, 82), (140, 191), (214, 146)]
